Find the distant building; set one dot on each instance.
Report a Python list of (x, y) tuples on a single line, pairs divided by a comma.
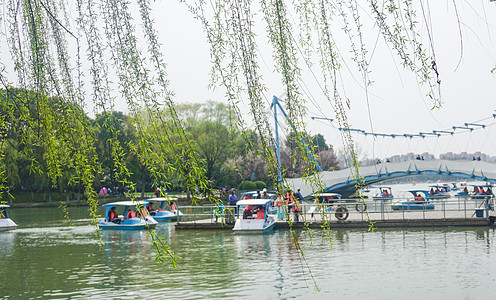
[(427, 156), (468, 156)]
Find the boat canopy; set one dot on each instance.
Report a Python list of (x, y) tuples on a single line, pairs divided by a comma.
[(161, 199), (327, 195), (254, 193), (480, 185), (125, 203), (4, 206), (253, 202), (414, 192)]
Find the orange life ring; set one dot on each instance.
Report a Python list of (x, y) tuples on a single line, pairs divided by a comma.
[(361, 206), (342, 213)]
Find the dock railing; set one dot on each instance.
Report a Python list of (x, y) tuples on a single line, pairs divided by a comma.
[(353, 210)]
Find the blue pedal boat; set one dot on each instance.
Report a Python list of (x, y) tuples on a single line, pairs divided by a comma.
[(127, 221), (163, 213), (385, 194), (421, 201)]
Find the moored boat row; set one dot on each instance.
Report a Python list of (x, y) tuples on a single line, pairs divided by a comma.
[(139, 215)]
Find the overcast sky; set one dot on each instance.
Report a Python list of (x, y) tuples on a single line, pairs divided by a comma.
[(397, 104)]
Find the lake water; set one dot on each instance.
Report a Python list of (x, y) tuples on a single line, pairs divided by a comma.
[(48, 258)]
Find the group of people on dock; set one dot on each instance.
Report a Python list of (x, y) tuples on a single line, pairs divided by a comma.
[(290, 201), (293, 204)]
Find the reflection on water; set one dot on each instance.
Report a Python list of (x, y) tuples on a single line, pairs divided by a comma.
[(47, 258)]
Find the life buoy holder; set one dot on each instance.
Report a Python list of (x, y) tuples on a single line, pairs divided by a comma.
[(342, 213), (361, 206)]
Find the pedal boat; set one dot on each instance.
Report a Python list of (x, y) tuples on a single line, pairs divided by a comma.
[(419, 202), (439, 192), (247, 222), (384, 194), (6, 222), (161, 214), (479, 192), (137, 223), (325, 202)]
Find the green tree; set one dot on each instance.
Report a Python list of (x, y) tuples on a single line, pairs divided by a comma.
[(213, 146), (319, 143), (115, 129), (38, 140)]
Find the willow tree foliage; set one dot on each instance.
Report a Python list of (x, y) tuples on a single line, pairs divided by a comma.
[(106, 51)]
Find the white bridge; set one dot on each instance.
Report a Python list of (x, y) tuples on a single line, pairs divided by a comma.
[(343, 181)]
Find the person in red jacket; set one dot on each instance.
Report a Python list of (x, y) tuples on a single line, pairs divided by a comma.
[(261, 212), (112, 216), (131, 214)]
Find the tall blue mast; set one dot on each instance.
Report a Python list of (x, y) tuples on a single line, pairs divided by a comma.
[(275, 101)]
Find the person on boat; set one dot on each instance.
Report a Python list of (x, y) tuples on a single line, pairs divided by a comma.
[(329, 200), (385, 193), (258, 196), (476, 190), (265, 195), (172, 205), (465, 190), (149, 206), (112, 216), (141, 211), (131, 214), (432, 192), (248, 212), (260, 212), (489, 191), (419, 198)]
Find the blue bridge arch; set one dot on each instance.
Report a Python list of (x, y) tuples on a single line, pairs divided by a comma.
[(344, 182)]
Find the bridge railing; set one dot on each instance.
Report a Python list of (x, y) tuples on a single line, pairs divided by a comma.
[(353, 210)]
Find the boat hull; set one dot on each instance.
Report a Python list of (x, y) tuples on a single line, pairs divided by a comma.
[(7, 224), (164, 216), (383, 198), (254, 226), (412, 206), (130, 224)]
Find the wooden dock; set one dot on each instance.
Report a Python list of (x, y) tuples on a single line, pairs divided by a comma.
[(395, 219)]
